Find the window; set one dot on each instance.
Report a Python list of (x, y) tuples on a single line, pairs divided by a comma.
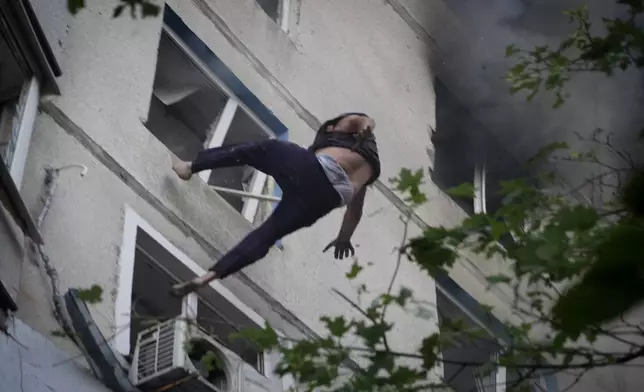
[(277, 10), (150, 265), (19, 94), (489, 376), (466, 349), (191, 109)]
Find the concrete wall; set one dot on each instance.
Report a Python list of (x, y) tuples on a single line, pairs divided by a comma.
[(33, 363)]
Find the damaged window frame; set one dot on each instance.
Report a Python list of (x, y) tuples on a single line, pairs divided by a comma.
[(282, 13), (23, 38), (133, 224), (254, 196)]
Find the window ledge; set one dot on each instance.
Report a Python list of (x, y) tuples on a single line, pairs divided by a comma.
[(11, 199)]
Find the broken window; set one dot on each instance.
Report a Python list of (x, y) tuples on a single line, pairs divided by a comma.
[(14, 79), (478, 347), (19, 95), (465, 349), (155, 271), (271, 7), (191, 110)]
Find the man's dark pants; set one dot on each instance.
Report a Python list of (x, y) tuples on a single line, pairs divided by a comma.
[(307, 194)]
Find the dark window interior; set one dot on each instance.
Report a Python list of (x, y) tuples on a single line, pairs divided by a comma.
[(155, 271), (464, 349), (12, 79), (271, 7), (460, 143)]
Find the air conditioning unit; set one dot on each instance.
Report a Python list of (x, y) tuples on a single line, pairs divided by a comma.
[(176, 356)]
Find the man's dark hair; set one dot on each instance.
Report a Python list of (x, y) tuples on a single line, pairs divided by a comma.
[(337, 119)]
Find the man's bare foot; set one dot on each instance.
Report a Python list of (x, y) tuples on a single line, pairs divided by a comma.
[(182, 289), (183, 170)]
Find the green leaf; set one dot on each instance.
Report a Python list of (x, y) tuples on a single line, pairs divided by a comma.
[(372, 334), (75, 5), (266, 338), (476, 222), (547, 151), (517, 70), (355, 270), (631, 195), (499, 229), (464, 190), (404, 296), (59, 333), (511, 50), (149, 9), (408, 183), (212, 361), (93, 295), (487, 308), (576, 218), (612, 285), (118, 10), (558, 100), (547, 252), (338, 326), (495, 279), (431, 252), (429, 350)]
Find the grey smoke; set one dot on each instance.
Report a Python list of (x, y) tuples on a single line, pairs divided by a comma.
[(473, 65)]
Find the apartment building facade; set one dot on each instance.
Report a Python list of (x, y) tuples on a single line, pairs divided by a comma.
[(94, 111)]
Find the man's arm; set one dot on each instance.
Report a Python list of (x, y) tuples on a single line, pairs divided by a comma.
[(352, 215)]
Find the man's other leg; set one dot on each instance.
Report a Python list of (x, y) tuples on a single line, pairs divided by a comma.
[(268, 156), (288, 217)]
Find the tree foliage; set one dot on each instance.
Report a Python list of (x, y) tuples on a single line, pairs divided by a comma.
[(617, 44)]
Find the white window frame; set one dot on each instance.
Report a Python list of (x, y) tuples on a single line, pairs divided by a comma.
[(480, 194), (501, 379), (27, 109), (498, 377), (480, 197), (284, 14), (251, 197), (123, 303)]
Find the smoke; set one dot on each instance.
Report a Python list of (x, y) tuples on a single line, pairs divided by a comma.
[(474, 64)]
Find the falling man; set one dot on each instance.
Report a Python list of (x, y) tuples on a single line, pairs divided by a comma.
[(333, 172)]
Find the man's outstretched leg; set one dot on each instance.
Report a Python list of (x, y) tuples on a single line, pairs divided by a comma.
[(185, 288), (266, 156), (287, 218), (183, 170)]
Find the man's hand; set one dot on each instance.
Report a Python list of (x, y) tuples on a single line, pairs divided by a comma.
[(342, 248)]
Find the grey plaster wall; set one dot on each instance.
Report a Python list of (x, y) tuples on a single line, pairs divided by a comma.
[(32, 363)]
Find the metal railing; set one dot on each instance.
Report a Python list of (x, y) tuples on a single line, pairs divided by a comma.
[(249, 195)]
